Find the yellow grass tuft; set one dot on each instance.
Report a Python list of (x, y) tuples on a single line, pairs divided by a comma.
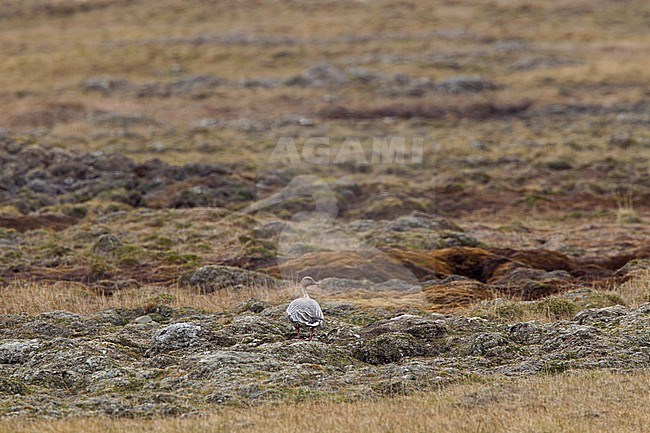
[(626, 212), (38, 297), (636, 291)]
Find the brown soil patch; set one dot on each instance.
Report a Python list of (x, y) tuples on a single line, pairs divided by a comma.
[(456, 294), (105, 283), (476, 111), (614, 262), (492, 266), (372, 265), (532, 290), (24, 223), (49, 115), (424, 265)]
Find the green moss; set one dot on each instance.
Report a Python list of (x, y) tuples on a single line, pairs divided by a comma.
[(174, 257), (9, 386), (203, 247), (75, 211), (253, 247), (555, 308), (55, 249), (602, 299), (514, 226), (506, 311), (387, 348), (132, 385), (551, 308), (555, 367), (164, 242), (99, 268), (581, 214), (392, 388), (129, 255), (533, 200), (156, 222), (629, 217), (14, 254)]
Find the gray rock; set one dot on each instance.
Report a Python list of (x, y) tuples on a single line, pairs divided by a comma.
[(465, 84), (543, 62), (526, 332), (17, 352), (389, 347), (216, 277), (342, 284), (362, 225), (458, 240), (253, 330), (194, 84), (106, 244), (310, 352), (425, 329), (634, 266), (523, 274), (120, 120), (398, 286), (363, 75), (324, 75), (143, 320), (176, 336), (41, 186), (420, 220), (600, 315), (106, 85), (347, 284)]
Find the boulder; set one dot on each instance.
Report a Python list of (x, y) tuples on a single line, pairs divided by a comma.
[(176, 336)]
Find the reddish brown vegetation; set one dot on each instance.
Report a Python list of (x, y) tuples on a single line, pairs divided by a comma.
[(24, 223), (476, 111)]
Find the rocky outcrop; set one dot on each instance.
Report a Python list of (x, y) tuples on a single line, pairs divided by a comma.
[(36, 176), (111, 363)]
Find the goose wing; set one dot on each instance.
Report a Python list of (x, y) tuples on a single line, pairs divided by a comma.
[(305, 311)]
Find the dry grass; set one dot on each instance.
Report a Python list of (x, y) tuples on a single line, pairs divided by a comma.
[(626, 212), (563, 403), (38, 297), (637, 290)]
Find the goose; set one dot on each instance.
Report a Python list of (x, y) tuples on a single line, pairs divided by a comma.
[(304, 311)]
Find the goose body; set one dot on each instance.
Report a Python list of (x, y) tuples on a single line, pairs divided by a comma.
[(305, 311)]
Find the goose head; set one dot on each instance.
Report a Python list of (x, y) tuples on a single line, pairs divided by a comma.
[(308, 281)]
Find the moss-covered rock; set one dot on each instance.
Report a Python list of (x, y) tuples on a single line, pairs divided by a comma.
[(214, 277), (389, 347), (114, 366)]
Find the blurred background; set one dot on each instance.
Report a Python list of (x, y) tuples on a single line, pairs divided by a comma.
[(133, 119)]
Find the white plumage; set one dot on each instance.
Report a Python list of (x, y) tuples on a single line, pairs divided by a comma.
[(304, 311)]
